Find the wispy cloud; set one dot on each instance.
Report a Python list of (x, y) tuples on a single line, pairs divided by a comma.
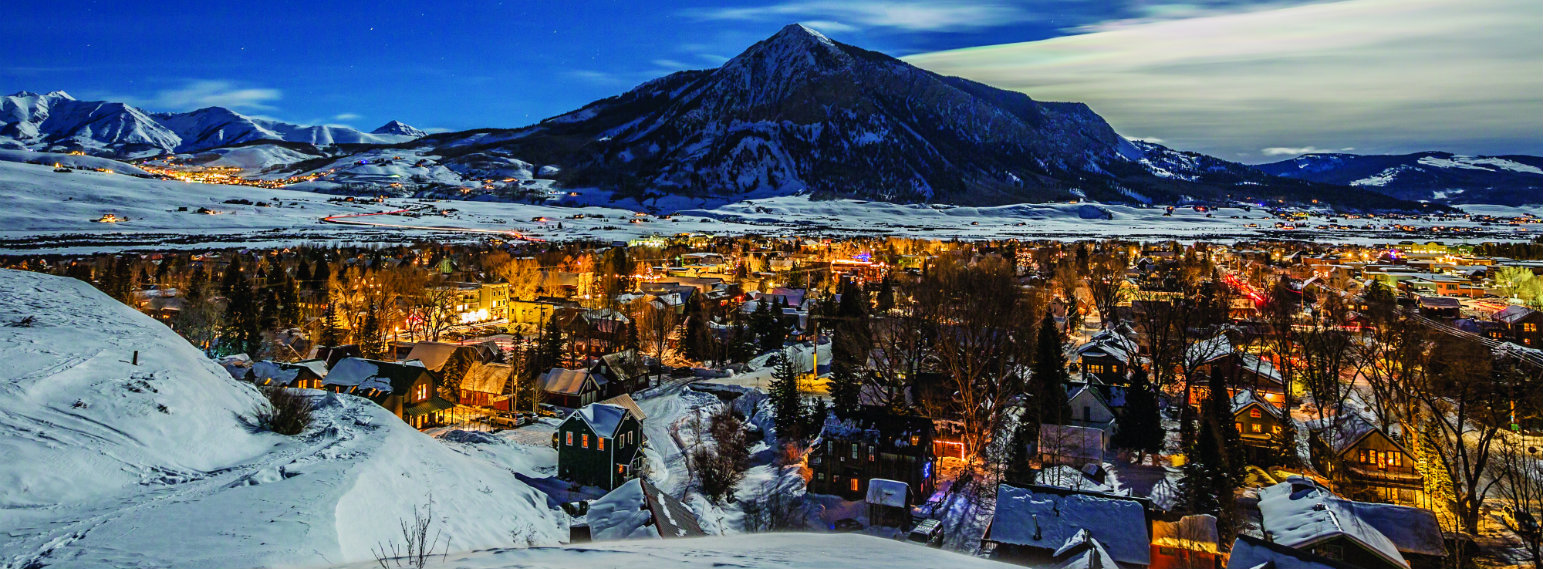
[(910, 15), (212, 93), (346, 117), (1379, 75)]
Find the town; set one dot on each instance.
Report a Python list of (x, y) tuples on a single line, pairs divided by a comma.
[(1088, 404)]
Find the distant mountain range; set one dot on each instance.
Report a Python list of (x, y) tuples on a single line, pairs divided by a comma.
[(797, 113), (58, 122), (1425, 176)]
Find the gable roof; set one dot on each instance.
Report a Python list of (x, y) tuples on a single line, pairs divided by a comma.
[(1513, 314), (1083, 551), (1208, 350), (637, 509), (604, 419), (432, 354), (284, 373), (625, 364), (1245, 398), (1195, 533), (386, 377), (1299, 513), (1351, 432), (1042, 519), (625, 401), (487, 378), (1254, 553), (564, 381), (884, 492)]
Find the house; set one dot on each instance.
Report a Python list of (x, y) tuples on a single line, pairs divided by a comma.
[(875, 444), (1072, 445), (1083, 551), (889, 503), (435, 355), (1440, 307), (334, 354), (599, 445), (1522, 325), (1032, 522), (306, 374), (1190, 543), (485, 383), (1107, 356), (408, 390), (1304, 515), (1089, 407), (621, 372), (638, 510), (626, 402), (1217, 358), (571, 388), (1258, 422), (1358, 454), (1254, 553)]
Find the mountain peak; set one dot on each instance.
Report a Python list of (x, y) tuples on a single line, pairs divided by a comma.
[(800, 32), (399, 127), (59, 95)]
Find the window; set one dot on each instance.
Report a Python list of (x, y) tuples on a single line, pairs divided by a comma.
[(819, 476), (1095, 368), (570, 439), (870, 453), (1087, 413), (1257, 428), (854, 451), (621, 469), (600, 443), (854, 484), (1529, 327), (586, 441), (1239, 425), (421, 392), (1275, 429), (1254, 413)]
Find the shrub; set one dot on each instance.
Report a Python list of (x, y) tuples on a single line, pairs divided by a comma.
[(288, 412)]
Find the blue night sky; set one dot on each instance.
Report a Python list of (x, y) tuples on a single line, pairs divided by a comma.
[(458, 64)]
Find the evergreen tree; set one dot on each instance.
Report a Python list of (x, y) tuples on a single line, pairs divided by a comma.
[(850, 345), (320, 276), (242, 333), (698, 340), (371, 341), (303, 274), (1218, 410), (1208, 486), (817, 415), (1141, 427), (197, 282), (766, 327), (1047, 383), (1018, 467), (787, 404), (632, 342), (886, 298), (742, 346), (289, 303), (331, 334), (549, 352)]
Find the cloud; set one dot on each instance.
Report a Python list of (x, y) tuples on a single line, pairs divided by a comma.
[(853, 15), (1291, 151), (346, 117), (1377, 75), (211, 93)]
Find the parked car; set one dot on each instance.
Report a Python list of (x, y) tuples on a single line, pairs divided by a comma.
[(845, 525), (1520, 521), (927, 532)]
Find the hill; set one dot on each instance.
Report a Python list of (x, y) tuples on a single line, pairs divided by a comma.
[(1426, 176)]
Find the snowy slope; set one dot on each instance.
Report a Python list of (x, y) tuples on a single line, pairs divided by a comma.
[(110, 464), (1434, 176), (71, 161), (753, 551), (399, 128)]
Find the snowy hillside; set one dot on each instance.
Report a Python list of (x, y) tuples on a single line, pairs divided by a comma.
[(752, 551), (111, 464), (399, 128), (71, 161), (1433, 176), (57, 122)]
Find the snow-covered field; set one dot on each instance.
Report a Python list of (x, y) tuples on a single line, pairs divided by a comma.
[(111, 464), (759, 551), (49, 212)]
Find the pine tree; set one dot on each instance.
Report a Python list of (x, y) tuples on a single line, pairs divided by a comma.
[(320, 276), (817, 415), (886, 298), (698, 339), (1218, 410), (765, 326), (1047, 383), (289, 303), (632, 341), (303, 273), (371, 341), (1141, 426), (197, 282), (242, 333), (742, 346), (331, 334), (849, 349), (549, 353), (787, 404)]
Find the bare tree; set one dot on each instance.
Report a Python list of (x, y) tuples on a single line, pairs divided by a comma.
[(1519, 468), (1466, 395), (420, 542)]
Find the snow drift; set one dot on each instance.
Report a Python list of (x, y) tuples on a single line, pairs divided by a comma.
[(112, 464)]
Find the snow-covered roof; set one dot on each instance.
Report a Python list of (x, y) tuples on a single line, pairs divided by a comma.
[(1253, 553), (1082, 551), (1046, 520), (1349, 431), (1245, 398), (1299, 513), (1109, 343), (622, 513), (1194, 533), (1208, 350), (1412, 530), (625, 401), (487, 378), (564, 381), (365, 374), (283, 373), (884, 492), (1512, 314), (602, 418), (432, 354), (1260, 366)]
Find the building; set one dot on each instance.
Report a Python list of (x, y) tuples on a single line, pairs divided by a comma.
[(875, 444), (1071, 445), (480, 302), (1254, 553), (1107, 356), (1090, 408), (1032, 523), (571, 388), (1190, 543), (485, 384), (599, 445), (1217, 358), (1360, 455), (621, 372), (408, 390), (1522, 325), (889, 503), (1303, 515), (306, 374), (1258, 423)]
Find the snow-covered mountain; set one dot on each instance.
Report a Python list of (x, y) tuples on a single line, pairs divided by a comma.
[(399, 128), (800, 113), (1434, 176), (118, 461), (58, 122)]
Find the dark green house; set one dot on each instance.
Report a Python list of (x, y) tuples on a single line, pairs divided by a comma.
[(599, 445)]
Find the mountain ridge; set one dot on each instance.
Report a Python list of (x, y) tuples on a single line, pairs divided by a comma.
[(1428, 176)]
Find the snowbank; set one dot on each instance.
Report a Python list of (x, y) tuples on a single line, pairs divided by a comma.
[(110, 464)]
